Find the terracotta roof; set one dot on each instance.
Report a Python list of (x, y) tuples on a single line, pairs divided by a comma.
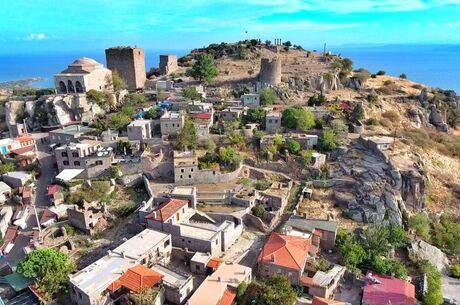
[(201, 115), (53, 189), (323, 301), (136, 279), (47, 215), (386, 289), (23, 150), (287, 251), (308, 281), (26, 192), (167, 209), (227, 298), (22, 139), (215, 262)]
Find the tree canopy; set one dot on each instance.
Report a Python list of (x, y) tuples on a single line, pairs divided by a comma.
[(267, 96), (191, 94), (118, 82), (358, 112), (187, 138), (49, 269), (277, 290), (255, 115), (204, 68), (293, 146), (298, 118)]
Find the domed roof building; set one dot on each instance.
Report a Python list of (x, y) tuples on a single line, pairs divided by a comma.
[(83, 75)]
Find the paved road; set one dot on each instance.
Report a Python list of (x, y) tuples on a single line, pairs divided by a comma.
[(40, 199)]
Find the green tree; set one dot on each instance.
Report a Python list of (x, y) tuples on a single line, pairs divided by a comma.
[(119, 121), (118, 82), (455, 269), (276, 291), (151, 114), (403, 76), (353, 254), (329, 140), (255, 115), (372, 98), (187, 138), (136, 99), (317, 100), (96, 97), (298, 118), (293, 146), (229, 158), (307, 156), (358, 112), (146, 296), (241, 290), (7, 167), (380, 72), (433, 296), (267, 96), (258, 210), (48, 268), (191, 94), (204, 68)]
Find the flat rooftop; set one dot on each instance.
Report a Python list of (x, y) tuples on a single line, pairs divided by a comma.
[(195, 231), (140, 123), (325, 278), (183, 190), (73, 130), (140, 244), (171, 115), (201, 257), (100, 274), (171, 277)]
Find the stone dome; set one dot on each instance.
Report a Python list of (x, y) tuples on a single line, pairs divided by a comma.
[(85, 61)]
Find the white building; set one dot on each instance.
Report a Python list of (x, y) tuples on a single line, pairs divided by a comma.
[(83, 75), (251, 100), (171, 122), (140, 130)]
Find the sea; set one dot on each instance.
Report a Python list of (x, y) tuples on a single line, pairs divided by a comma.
[(434, 65)]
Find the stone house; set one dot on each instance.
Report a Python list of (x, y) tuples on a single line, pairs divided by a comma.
[(318, 159), (82, 75), (231, 114), (178, 286), (140, 130), (306, 141), (273, 122), (69, 134), (326, 228), (86, 217), (250, 100), (287, 255), (323, 284), (220, 287), (204, 263), (90, 286), (193, 230), (17, 178), (89, 156), (171, 122)]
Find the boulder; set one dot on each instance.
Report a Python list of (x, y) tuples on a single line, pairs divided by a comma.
[(421, 250)]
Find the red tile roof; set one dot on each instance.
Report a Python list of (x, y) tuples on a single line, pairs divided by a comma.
[(323, 301), (201, 115), (228, 298), (23, 150), (53, 189), (136, 279), (167, 209), (215, 262), (287, 251), (22, 139), (47, 215), (385, 290), (308, 281)]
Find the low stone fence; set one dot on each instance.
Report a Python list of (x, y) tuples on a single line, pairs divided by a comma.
[(213, 176)]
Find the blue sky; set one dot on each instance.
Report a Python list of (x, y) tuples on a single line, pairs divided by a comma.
[(42, 25)]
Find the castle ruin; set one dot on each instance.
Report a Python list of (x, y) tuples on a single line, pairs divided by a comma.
[(168, 64), (129, 63), (270, 71)]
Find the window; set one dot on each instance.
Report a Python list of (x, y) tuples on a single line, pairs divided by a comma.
[(270, 121), (75, 154), (217, 241), (98, 162), (65, 162), (191, 170), (181, 176), (182, 170), (189, 242), (190, 176), (64, 154), (166, 243), (76, 163)]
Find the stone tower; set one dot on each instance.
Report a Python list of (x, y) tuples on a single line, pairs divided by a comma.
[(129, 63), (168, 64), (270, 71)]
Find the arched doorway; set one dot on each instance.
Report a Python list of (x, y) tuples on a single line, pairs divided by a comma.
[(70, 86), (78, 87), (62, 87)]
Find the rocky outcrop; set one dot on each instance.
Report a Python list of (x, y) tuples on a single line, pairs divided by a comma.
[(436, 118), (417, 116), (320, 82), (421, 250), (354, 83), (371, 189)]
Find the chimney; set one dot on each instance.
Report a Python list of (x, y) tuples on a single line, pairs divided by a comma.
[(219, 279), (273, 258), (123, 254)]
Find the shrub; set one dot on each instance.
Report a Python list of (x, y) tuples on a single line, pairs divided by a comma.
[(391, 115), (372, 98), (455, 269), (69, 229), (417, 86), (421, 224), (118, 82), (358, 112), (204, 68), (263, 184), (433, 296), (7, 167), (267, 96), (403, 76), (119, 121), (293, 146), (316, 100), (307, 156), (191, 94), (372, 121), (298, 118), (125, 210), (258, 210), (329, 140), (380, 72)]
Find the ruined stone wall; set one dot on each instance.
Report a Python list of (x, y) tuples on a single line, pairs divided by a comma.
[(270, 71), (168, 64), (130, 64)]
